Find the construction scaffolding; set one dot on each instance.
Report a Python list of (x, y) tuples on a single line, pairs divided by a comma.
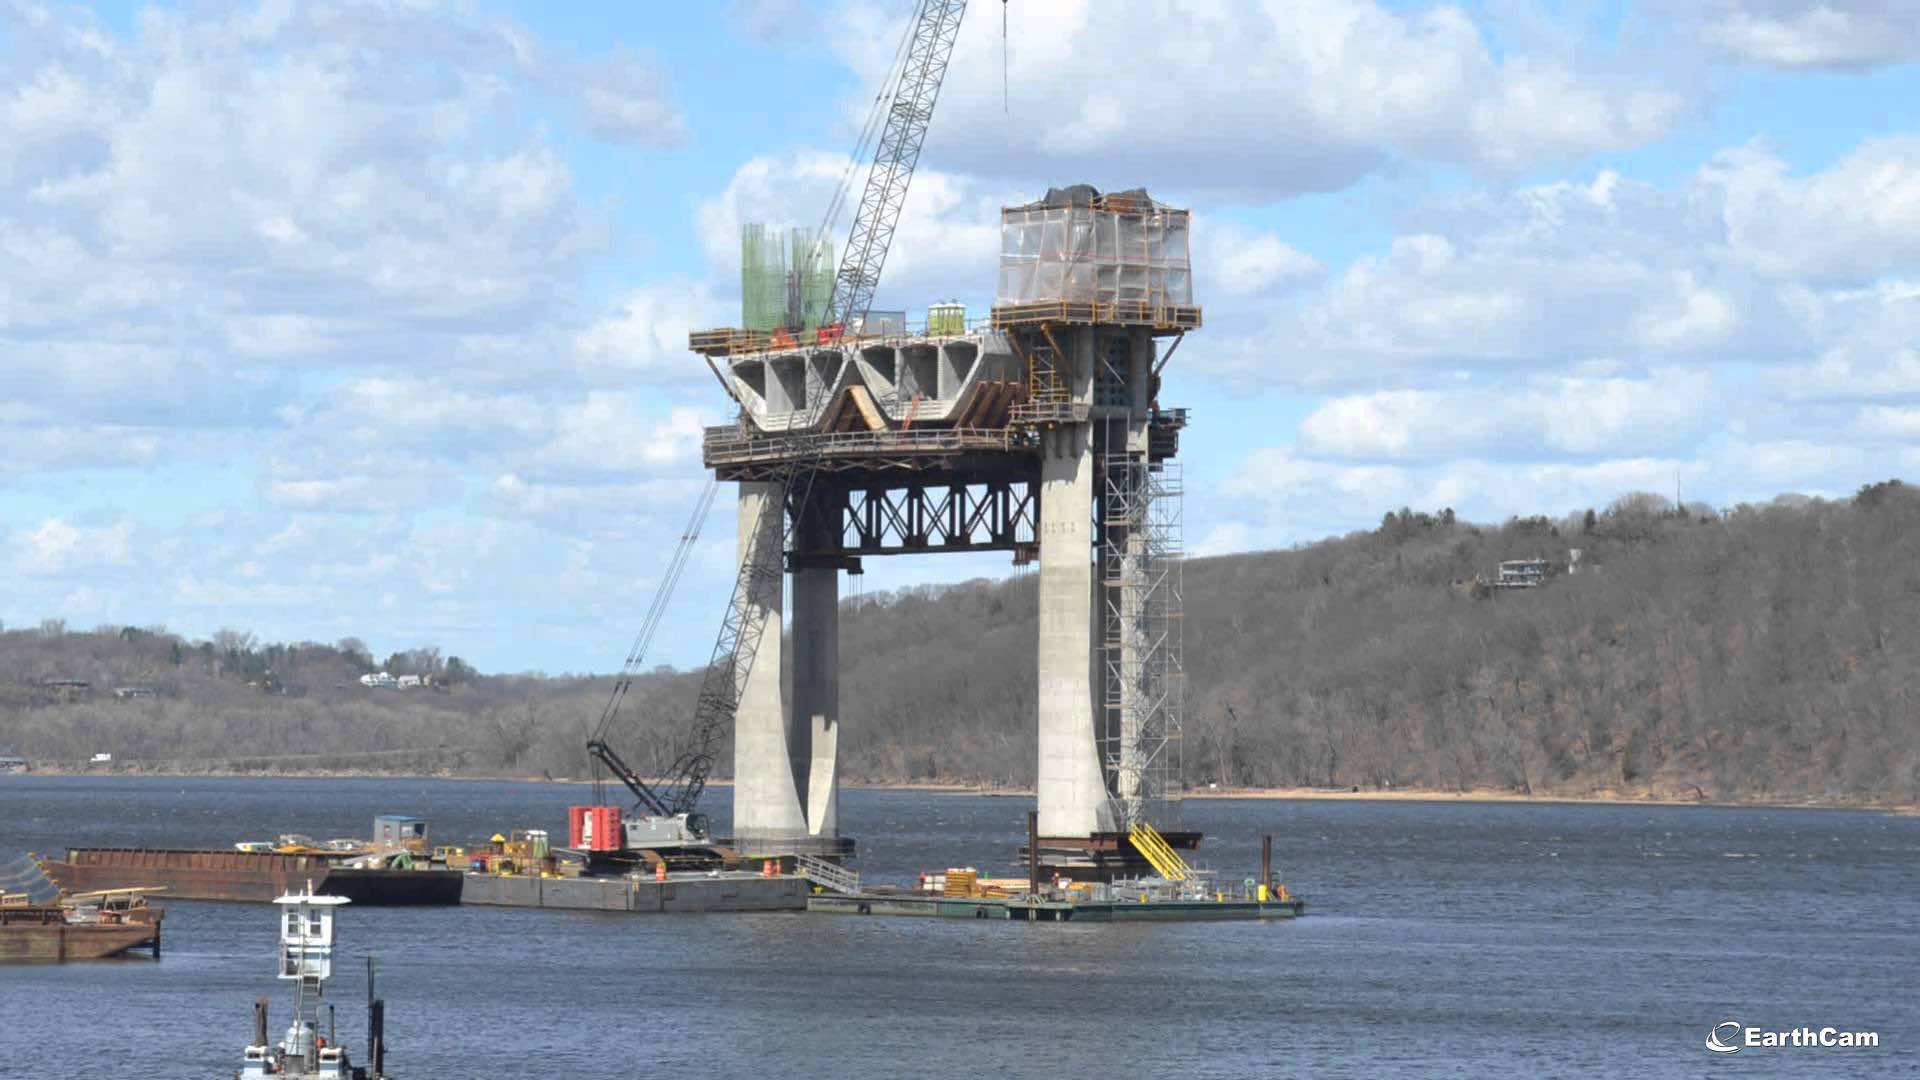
[(1143, 674), (1079, 246), (785, 279)]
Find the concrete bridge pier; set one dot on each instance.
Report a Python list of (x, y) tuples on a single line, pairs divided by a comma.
[(766, 798), (1071, 793), (786, 787)]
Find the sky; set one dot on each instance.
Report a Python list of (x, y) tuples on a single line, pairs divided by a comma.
[(369, 319)]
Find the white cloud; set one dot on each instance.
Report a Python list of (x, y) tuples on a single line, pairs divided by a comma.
[(1887, 421), (1545, 415), (627, 100), (774, 22), (1853, 221), (1241, 262), (1267, 99), (1832, 34), (620, 433), (646, 334), (57, 546), (1741, 262), (282, 184)]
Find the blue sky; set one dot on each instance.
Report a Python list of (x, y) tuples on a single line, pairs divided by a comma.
[(369, 318)]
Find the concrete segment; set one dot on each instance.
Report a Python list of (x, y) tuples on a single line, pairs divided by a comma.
[(928, 378)]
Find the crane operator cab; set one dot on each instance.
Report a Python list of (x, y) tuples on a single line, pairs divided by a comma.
[(652, 833)]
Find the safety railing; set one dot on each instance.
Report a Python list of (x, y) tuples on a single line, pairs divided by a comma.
[(827, 875), (728, 445)]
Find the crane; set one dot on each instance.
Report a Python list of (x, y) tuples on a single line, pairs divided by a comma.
[(665, 812)]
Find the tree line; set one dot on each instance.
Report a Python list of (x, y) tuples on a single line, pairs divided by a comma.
[(1754, 652)]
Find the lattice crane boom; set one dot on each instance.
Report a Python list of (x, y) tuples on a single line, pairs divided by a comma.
[(936, 25), (927, 51)]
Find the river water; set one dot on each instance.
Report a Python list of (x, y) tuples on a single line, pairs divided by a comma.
[(1444, 939)]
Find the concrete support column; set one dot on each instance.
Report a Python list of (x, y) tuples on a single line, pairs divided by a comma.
[(816, 675), (1072, 796), (766, 800)]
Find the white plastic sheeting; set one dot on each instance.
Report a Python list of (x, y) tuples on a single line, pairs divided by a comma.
[(1091, 254)]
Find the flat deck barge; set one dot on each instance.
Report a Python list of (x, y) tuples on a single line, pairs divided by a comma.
[(683, 892), (1024, 909), (258, 877), (57, 933)]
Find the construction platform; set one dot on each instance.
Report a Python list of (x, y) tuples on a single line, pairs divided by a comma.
[(1026, 909), (678, 893)]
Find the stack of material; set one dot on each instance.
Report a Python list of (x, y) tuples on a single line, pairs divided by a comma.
[(962, 882)]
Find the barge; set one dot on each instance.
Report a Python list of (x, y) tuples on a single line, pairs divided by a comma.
[(393, 869), (712, 891), (80, 928), (253, 876), (1039, 909)]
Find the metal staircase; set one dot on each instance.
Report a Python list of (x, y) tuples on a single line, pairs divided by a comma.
[(828, 875), (1148, 841)]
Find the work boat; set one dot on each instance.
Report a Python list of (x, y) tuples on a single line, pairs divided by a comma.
[(306, 960)]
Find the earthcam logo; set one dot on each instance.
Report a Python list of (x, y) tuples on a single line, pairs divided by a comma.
[(1730, 1037)]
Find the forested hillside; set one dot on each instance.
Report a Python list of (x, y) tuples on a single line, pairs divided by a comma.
[(1761, 653)]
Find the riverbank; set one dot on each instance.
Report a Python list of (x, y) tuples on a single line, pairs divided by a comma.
[(1352, 794)]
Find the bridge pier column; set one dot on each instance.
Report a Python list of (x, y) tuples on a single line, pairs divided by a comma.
[(815, 726), (766, 796), (1071, 794)]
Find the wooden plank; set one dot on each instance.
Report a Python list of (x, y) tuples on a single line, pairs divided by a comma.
[(863, 402)]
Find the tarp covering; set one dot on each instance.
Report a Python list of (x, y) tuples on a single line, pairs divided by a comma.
[(23, 876), (1077, 245)]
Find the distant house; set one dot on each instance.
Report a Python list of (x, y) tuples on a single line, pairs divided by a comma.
[(410, 682), (1521, 574), (100, 759), (379, 680), (128, 693), (12, 764)]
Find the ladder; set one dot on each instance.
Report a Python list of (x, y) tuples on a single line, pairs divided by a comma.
[(828, 875), (1049, 397), (1148, 841)]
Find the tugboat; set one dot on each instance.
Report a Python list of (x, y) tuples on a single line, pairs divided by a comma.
[(306, 960)]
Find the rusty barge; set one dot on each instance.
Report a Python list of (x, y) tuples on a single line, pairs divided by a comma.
[(253, 876), (80, 928), (394, 867)]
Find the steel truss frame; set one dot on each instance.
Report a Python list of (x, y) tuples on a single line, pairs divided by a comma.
[(919, 517)]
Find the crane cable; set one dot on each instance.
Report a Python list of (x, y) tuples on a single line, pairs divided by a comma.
[(656, 611)]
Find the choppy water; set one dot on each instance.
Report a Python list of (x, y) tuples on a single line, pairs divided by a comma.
[(1444, 940)]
